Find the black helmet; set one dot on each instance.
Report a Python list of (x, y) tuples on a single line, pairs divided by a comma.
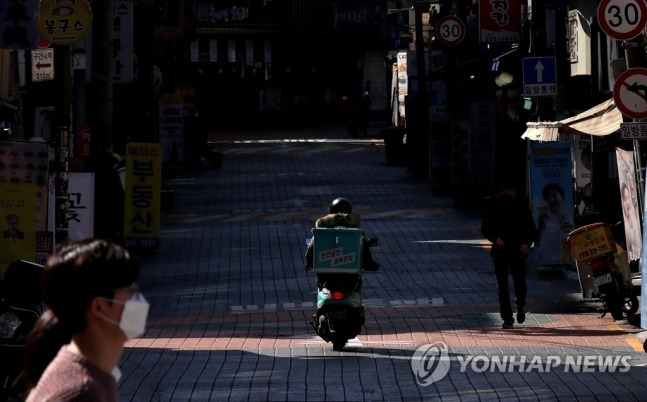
[(340, 206)]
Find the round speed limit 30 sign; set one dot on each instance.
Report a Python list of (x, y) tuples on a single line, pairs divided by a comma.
[(622, 19), (450, 30)]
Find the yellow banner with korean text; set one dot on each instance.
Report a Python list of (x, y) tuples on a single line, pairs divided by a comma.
[(142, 188), (18, 203)]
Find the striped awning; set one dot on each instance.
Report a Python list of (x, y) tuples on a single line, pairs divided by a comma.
[(600, 120), (240, 29)]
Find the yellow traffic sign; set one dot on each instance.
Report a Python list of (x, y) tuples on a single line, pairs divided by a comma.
[(64, 22)]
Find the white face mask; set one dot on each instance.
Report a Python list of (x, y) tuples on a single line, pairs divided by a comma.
[(116, 373), (133, 318)]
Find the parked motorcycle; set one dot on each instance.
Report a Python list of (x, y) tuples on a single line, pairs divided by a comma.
[(338, 265), (595, 246), (20, 307)]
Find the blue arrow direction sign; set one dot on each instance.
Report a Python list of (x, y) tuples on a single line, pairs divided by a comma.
[(539, 76)]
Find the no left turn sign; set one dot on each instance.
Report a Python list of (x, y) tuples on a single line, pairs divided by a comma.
[(622, 19), (630, 93)]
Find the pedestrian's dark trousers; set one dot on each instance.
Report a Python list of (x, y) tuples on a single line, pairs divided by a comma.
[(506, 264)]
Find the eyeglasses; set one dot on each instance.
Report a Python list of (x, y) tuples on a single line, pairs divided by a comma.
[(132, 288)]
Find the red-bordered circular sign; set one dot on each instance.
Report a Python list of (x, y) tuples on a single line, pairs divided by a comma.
[(622, 19), (450, 30), (630, 93)]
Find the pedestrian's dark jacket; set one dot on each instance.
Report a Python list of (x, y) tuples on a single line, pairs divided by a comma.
[(510, 219)]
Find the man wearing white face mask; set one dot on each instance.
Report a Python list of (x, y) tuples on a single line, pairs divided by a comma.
[(95, 307)]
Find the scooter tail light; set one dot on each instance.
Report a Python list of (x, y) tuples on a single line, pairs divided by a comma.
[(337, 295), (597, 265)]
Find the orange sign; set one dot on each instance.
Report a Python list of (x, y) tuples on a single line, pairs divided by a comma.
[(64, 22)]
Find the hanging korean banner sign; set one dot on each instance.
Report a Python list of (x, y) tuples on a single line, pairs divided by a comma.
[(18, 203), (171, 127), (552, 200), (499, 21), (80, 212), (629, 201), (143, 186)]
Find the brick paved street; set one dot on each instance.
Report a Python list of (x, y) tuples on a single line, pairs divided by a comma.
[(230, 301)]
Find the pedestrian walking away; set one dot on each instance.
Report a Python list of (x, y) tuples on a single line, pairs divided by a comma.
[(509, 225), (90, 287)]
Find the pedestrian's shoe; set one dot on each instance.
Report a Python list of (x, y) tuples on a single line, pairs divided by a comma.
[(521, 315), (507, 324)]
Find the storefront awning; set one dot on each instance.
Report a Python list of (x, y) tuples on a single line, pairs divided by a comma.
[(240, 29), (600, 120)]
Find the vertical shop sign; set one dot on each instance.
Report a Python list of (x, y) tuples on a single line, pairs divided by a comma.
[(552, 200), (143, 185), (171, 126), (122, 42), (403, 86), (582, 157), (499, 21), (17, 223), (27, 162), (80, 210)]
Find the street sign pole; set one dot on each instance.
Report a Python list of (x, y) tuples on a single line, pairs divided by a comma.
[(63, 70)]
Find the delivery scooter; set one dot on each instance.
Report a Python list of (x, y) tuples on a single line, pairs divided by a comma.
[(338, 264)]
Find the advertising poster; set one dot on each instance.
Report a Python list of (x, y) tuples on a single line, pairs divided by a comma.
[(171, 127), (552, 201), (17, 223), (27, 162), (582, 157), (630, 205), (143, 186), (499, 21), (403, 86)]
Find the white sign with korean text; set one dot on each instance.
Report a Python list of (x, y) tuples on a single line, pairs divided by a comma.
[(80, 213), (42, 65)]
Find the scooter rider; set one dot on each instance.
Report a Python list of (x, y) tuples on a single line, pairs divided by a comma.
[(340, 213)]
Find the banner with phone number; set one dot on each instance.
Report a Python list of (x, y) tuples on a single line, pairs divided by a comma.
[(143, 185)]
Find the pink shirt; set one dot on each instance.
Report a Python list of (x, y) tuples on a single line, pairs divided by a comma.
[(72, 377)]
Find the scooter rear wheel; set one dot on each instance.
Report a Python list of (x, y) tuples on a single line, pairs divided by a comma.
[(338, 344)]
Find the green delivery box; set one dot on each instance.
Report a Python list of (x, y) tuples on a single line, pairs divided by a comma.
[(337, 250)]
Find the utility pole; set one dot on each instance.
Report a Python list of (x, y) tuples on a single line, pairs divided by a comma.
[(417, 145), (61, 120), (108, 192), (102, 76)]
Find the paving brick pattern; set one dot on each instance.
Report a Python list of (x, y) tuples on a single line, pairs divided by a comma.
[(230, 302)]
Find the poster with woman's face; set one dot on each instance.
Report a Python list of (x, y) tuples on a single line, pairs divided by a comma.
[(552, 201), (629, 199)]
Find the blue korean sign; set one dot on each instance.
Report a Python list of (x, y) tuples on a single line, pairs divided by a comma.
[(539, 76)]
